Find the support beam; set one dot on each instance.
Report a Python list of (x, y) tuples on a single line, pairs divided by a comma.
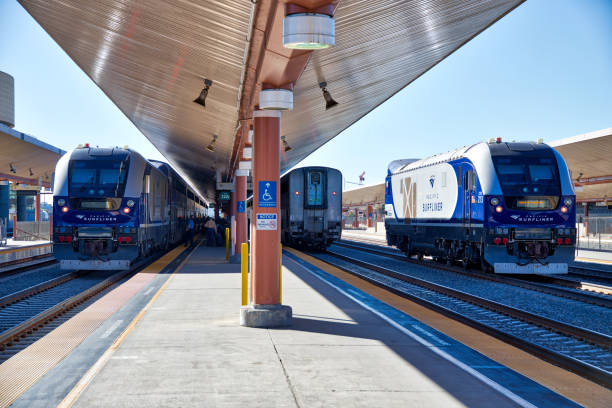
[(265, 309), (589, 181), (37, 208)]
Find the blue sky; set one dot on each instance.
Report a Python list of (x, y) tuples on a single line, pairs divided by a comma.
[(544, 70)]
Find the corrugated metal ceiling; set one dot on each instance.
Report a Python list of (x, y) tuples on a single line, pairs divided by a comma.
[(150, 58)]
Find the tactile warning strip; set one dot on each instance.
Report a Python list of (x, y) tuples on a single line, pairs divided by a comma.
[(25, 368)]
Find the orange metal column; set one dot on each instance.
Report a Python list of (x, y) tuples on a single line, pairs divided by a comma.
[(37, 208), (370, 215), (266, 242), (265, 309), (241, 219)]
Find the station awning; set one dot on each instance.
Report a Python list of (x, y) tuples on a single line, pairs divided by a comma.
[(151, 59), (25, 159), (371, 195), (588, 157)]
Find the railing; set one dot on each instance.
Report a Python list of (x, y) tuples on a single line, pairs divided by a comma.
[(594, 233), (32, 231)]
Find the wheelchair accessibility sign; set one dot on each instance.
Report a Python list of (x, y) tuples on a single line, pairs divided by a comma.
[(267, 194), (266, 222)]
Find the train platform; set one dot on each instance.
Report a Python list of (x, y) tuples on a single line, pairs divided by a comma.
[(170, 336), (365, 235), (20, 252)]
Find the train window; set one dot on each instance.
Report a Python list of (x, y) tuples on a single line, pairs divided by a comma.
[(511, 174), (524, 176), (316, 189), (542, 173), (97, 178)]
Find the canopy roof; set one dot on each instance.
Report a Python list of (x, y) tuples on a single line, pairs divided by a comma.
[(588, 157), (25, 159), (151, 58)]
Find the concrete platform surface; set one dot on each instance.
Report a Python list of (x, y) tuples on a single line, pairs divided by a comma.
[(188, 349), (17, 250)]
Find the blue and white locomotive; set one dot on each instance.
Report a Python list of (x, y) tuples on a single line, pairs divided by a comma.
[(111, 206), (509, 206)]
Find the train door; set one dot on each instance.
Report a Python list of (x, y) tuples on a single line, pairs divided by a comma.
[(315, 203), (461, 193), (469, 178)]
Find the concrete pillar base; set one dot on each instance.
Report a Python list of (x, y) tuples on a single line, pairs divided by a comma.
[(265, 315)]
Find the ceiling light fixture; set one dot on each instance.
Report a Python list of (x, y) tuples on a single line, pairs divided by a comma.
[(329, 101), (305, 29), (201, 100), (211, 146), (276, 99), (13, 168), (285, 144)]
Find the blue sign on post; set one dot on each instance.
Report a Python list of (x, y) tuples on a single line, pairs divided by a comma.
[(240, 206), (267, 194)]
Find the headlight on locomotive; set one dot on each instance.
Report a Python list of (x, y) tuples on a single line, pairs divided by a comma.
[(61, 202), (568, 202), (130, 203), (494, 201)]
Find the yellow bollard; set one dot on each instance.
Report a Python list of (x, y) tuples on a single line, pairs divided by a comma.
[(244, 272), (227, 236), (280, 275)]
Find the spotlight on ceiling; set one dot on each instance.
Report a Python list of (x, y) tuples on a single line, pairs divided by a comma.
[(211, 146), (329, 101), (13, 168), (31, 172), (285, 144), (201, 100)]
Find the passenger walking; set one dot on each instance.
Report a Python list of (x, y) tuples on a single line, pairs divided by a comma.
[(211, 229), (189, 232)]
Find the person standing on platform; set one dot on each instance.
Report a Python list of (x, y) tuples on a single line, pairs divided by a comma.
[(211, 229), (189, 232)]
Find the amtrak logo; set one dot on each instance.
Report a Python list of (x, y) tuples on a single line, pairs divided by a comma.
[(432, 180), (532, 218), (80, 216)]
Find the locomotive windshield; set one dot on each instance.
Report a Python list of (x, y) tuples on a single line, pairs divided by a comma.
[(529, 183), (97, 178)]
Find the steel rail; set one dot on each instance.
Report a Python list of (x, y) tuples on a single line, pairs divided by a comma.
[(33, 290), (12, 335), (17, 265), (32, 324), (599, 339), (535, 286), (581, 368)]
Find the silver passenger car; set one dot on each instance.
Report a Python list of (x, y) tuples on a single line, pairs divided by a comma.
[(311, 207)]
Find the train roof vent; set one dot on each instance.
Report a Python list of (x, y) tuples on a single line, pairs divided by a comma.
[(520, 147)]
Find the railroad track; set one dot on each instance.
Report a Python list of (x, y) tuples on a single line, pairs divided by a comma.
[(585, 352), (43, 307), (26, 264), (568, 288)]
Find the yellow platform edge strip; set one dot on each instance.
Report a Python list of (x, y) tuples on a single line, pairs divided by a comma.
[(78, 389)]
